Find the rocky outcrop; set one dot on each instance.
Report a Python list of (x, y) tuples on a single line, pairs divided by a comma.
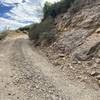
[(88, 54), (79, 41)]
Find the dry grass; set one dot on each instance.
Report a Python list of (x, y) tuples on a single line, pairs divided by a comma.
[(14, 33), (3, 35)]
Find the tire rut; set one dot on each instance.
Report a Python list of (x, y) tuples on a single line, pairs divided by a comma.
[(31, 79)]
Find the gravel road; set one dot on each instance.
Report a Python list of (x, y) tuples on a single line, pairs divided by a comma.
[(26, 74)]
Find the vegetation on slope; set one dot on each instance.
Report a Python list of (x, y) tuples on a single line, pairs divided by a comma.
[(3, 35), (56, 8), (40, 32), (24, 29), (43, 31)]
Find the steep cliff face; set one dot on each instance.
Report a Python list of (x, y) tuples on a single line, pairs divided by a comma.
[(78, 45)]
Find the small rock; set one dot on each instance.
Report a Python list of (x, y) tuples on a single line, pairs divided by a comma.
[(79, 77), (98, 77), (97, 61), (56, 63), (17, 97), (98, 54), (75, 62), (61, 55), (86, 78), (37, 87), (72, 67), (79, 62), (9, 93), (12, 76), (99, 82), (98, 30), (94, 73), (62, 66), (89, 63)]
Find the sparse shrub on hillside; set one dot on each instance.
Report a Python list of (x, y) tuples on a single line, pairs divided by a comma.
[(26, 28), (47, 37), (3, 35), (56, 8), (39, 28), (34, 32), (41, 32)]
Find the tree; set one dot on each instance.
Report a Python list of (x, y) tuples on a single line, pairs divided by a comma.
[(54, 9)]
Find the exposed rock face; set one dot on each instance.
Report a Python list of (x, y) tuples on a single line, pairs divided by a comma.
[(79, 40), (80, 25)]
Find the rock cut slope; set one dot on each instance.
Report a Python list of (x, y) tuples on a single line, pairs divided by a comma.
[(77, 50)]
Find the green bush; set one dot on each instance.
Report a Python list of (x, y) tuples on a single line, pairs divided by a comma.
[(47, 37), (38, 28), (3, 35), (41, 32), (26, 28), (56, 8)]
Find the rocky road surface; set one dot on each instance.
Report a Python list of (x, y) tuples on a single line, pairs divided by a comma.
[(26, 74)]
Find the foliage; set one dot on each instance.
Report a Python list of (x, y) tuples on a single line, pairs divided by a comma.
[(39, 28), (3, 35), (56, 8), (41, 32), (26, 28), (47, 37)]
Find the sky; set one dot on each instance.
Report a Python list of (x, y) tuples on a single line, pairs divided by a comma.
[(19, 13)]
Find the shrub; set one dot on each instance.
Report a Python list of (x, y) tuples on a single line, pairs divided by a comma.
[(34, 32), (3, 35), (41, 32), (38, 28), (56, 8), (26, 28), (47, 37)]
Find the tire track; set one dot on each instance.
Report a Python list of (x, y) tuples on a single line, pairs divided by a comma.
[(31, 79)]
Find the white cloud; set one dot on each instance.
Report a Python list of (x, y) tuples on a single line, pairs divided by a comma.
[(9, 23), (22, 12)]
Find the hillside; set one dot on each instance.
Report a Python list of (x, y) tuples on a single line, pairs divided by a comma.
[(76, 51), (60, 60)]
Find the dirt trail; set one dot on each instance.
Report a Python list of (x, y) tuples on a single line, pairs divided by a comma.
[(26, 74)]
